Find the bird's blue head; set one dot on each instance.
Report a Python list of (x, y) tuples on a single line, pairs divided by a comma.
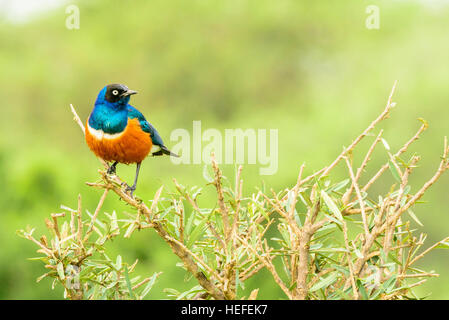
[(115, 94)]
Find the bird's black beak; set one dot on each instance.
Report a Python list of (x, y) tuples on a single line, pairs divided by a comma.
[(128, 93)]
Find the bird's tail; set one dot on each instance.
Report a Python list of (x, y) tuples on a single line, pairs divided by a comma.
[(163, 151)]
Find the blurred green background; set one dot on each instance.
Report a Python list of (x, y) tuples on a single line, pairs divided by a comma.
[(308, 68)]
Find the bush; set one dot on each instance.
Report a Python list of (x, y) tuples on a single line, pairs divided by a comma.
[(335, 240)]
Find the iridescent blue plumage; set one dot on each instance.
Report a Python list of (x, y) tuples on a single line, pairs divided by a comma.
[(112, 117)]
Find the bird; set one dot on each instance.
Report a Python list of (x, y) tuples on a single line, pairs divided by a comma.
[(119, 133)]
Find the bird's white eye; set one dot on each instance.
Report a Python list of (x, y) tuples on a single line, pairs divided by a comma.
[(115, 92)]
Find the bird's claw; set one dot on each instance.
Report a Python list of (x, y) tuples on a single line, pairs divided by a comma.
[(130, 189), (111, 170)]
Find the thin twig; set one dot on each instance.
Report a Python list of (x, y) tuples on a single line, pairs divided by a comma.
[(381, 117)]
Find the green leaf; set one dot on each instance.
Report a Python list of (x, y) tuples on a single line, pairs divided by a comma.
[(128, 283), (394, 171), (389, 284), (97, 221), (407, 190), (340, 185), (333, 219), (172, 292), (376, 294), (297, 219), (149, 285), (43, 259), (306, 200), (341, 269), (190, 292), (410, 212), (331, 205), (197, 232), (238, 283), (60, 269), (189, 223), (285, 235), (293, 286), (129, 230), (443, 245), (324, 282), (362, 290), (288, 205), (329, 250), (386, 145), (118, 263)]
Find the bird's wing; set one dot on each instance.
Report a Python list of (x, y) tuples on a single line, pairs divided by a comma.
[(159, 148), (145, 125)]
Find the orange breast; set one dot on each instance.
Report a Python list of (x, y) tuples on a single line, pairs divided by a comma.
[(131, 146)]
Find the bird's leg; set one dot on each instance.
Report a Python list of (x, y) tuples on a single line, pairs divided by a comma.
[(112, 168), (133, 188)]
